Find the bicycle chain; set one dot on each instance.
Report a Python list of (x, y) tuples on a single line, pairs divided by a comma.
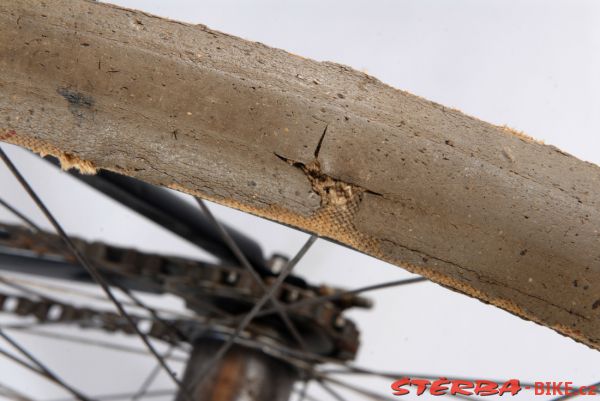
[(198, 283)]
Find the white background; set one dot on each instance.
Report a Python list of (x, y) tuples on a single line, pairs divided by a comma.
[(532, 65)]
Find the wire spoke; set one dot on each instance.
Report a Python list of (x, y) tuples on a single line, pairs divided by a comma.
[(20, 215), (35, 324), (21, 362), (576, 393), (128, 293), (294, 357), (339, 295), (61, 289), (41, 366), (152, 312), (42, 373), (35, 293), (303, 390), (125, 396), (323, 377), (248, 318), (19, 287), (330, 390), (248, 266), (11, 393), (297, 359), (306, 396), (143, 390), (88, 267), (95, 343), (136, 302)]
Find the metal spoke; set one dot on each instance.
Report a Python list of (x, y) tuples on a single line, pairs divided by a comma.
[(248, 266), (35, 324), (88, 267), (42, 373), (95, 343), (41, 366), (150, 310), (35, 293), (126, 396), (134, 299), (569, 396), (60, 289), (298, 359), (25, 290), (248, 318), (143, 390), (330, 390), (303, 390), (258, 310), (307, 396), (83, 294), (20, 215), (11, 393), (292, 357), (295, 358), (22, 363)]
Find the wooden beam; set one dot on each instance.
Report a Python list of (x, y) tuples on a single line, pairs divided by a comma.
[(473, 206)]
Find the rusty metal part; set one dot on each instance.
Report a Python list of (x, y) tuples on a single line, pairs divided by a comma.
[(226, 288), (193, 331), (242, 375), (52, 311)]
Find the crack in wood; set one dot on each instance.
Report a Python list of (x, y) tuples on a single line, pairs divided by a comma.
[(332, 191)]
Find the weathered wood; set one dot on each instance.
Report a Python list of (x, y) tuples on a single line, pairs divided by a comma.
[(475, 207)]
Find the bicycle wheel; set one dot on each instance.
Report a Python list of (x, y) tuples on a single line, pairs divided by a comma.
[(318, 189)]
